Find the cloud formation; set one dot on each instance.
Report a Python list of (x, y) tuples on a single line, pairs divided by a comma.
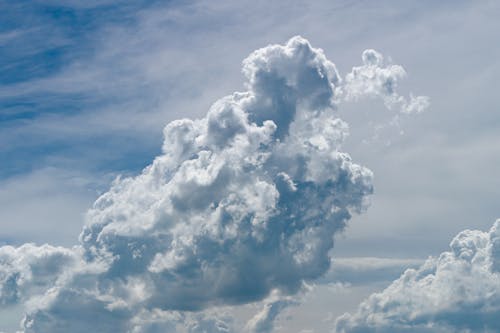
[(30, 270), (264, 320), (375, 79), (459, 291), (241, 203)]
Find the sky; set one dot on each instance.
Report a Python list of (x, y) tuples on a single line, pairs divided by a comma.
[(346, 174)]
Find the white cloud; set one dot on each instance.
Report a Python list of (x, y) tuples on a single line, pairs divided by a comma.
[(29, 270), (241, 203), (374, 79), (362, 270), (459, 291), (264, 320)]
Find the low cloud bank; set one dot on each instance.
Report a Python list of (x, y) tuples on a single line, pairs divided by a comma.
[(459, 291)]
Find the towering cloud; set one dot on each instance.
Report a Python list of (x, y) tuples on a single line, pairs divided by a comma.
[(459, 291), (241, 203)]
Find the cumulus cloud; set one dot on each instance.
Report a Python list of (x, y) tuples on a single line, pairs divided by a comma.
[(240, 204), (30, 270), (264, 320), (375, 79), (459, 291)]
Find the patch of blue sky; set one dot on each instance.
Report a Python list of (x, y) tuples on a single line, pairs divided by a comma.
[(32, 152), (39, 38), (34, 105), (39, 41)]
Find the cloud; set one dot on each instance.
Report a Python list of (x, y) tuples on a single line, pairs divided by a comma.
[(374, 79), (455, 292), (29, 270), (362, 270), (264, 320), (240, 204)]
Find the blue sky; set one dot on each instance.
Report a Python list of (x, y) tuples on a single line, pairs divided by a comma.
[(41, 43), (87, 88)]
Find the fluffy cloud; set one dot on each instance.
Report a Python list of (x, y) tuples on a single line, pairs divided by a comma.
[(241, 203), (459, 291), (374, 79), (263, 321), (30, 270)]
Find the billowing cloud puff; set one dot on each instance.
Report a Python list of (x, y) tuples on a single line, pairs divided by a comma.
[(374, 79), (459, 291), (236, 208), (263, 321), (241, 203), (30, 270)]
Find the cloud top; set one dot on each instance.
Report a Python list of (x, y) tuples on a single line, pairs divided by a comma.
[(375, 79)]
